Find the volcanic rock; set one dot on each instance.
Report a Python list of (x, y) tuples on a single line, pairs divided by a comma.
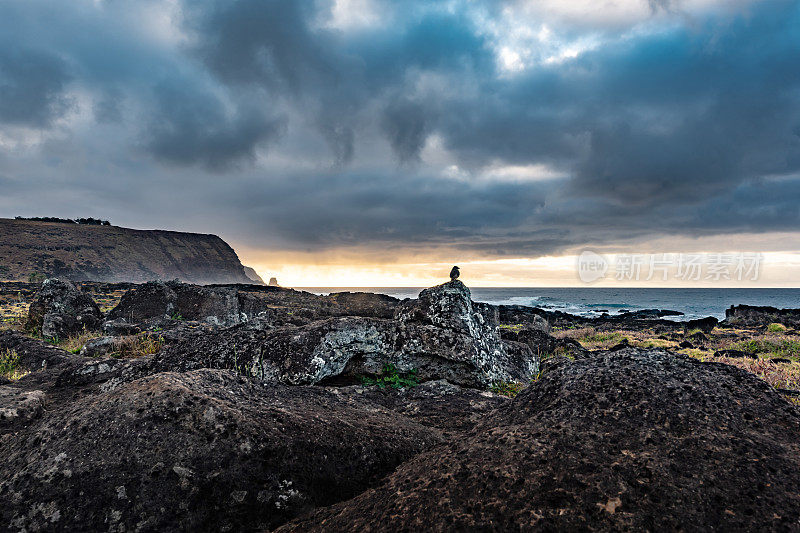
[(201, 451), (60, 310), (632, 440), (706, 325), (34, 354), (754, 316)]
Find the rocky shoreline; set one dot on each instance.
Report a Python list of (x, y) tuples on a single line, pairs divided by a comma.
[(242, 407)]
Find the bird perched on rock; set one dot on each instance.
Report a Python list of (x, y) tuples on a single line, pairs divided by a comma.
[(454, 273)]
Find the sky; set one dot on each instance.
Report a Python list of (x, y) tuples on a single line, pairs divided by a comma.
[(379, 142)]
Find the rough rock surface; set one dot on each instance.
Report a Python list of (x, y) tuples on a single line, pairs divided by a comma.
[(226, 305), (706, 325), (34, 354), (529, 317), (160, 300), (446, 316), (60, 310), (634, 440), (437, 404), (200, 451), (754, 316), (18, 407), (441, 336)]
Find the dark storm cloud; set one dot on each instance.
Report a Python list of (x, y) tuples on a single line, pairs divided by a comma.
[(195, 128), (668, 127), (386, 208), (31, 86)]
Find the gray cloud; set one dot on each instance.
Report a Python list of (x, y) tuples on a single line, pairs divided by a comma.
[(32, 85), (680, 127), (195, 128)]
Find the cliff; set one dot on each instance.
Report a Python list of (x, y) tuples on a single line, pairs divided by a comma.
[(114, 254)]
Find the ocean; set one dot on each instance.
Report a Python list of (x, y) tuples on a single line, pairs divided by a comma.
[(593, 301)]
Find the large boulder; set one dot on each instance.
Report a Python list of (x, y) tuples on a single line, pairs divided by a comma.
[(59, 310), (181, 301), (200, 451), (364, 304), (632, 440), (445, 325), (452, 339)]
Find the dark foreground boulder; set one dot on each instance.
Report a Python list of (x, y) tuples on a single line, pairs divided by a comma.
[(634, 440), (60, 310), (201, 451)]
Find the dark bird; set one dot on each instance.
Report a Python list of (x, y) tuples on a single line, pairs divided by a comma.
[(454, 273)]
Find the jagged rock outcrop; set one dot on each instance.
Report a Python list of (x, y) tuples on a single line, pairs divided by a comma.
[(200, 451), (647, 314), (755, 316), (634, 440), (443, 335), (444, 323), (60, 310)]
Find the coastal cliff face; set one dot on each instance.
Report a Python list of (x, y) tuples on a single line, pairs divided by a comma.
[(113, 254)]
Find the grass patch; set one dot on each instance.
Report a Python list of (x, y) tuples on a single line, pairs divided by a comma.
[(74, 343), (770, 347), (513, 327), (134, 346), (391, 378), (779, 375), (10, 365), (507, 388), (776, 328), (654, 343), (591, 339)]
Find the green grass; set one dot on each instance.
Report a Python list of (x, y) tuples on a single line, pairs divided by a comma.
[(390, 377), (772, 347), (513, 327), (507, 388), (654, 343), (776, 328), (10, 365)]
